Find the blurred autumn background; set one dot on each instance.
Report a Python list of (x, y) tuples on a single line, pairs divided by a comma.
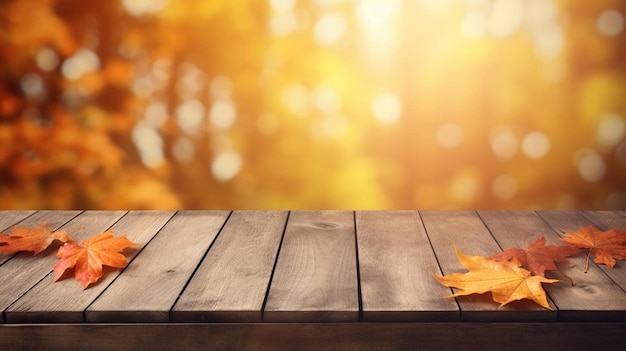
[(307, 104)]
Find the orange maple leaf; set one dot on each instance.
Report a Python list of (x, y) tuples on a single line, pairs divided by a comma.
[(506, 281), (34, 239), (537, 257), (605, 246), (89, 257)]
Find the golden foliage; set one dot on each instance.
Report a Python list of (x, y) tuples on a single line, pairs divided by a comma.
[(282, 104)]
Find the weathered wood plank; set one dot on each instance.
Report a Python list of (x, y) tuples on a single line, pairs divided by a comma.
[(395, 265), (231, 283), (8, 219), (595, 297), (317, 336), (65, 300), (466, 230), (23, 271), (151, 283), (315, 278)]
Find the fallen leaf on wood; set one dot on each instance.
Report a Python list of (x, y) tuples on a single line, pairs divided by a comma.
[(537, 257), (34, 239), (88, 258), (506, 281), (605, 246)]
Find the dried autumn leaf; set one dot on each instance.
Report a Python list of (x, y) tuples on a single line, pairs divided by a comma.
[(506, 281), (89, 257), (605, 246), (537, 257), (34, 239)]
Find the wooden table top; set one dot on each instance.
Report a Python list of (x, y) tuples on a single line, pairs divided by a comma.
[(301, 266)]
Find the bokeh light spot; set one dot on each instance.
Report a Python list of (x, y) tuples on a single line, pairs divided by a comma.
[(83, 61), (505, 17), (504, 144), (329, 29), (190, 115), (143, 7), (326, 100), (590, 165), (150, 145), (535, 145), (223, 114), (296, 98), (32, 85), (610, 23), (226, 165), (282, 6), (387, 108), (47, 59), (611, 130), (474, 25)]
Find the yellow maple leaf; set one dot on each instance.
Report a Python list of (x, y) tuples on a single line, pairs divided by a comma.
[(506, 281)]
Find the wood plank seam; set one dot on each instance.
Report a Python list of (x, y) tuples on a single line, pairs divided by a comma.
[(490, 232), (269, 283), (171, 317), (56, 227), (358, 268), (432, 249), (129, 262)]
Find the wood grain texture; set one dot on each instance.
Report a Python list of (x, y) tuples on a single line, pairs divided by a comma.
[(24, 270), (317, 336), (7, 220), (466, 230), (315, 277), (151, 283), (10, 218), (231, 283), (595, 297), (395, 264)]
